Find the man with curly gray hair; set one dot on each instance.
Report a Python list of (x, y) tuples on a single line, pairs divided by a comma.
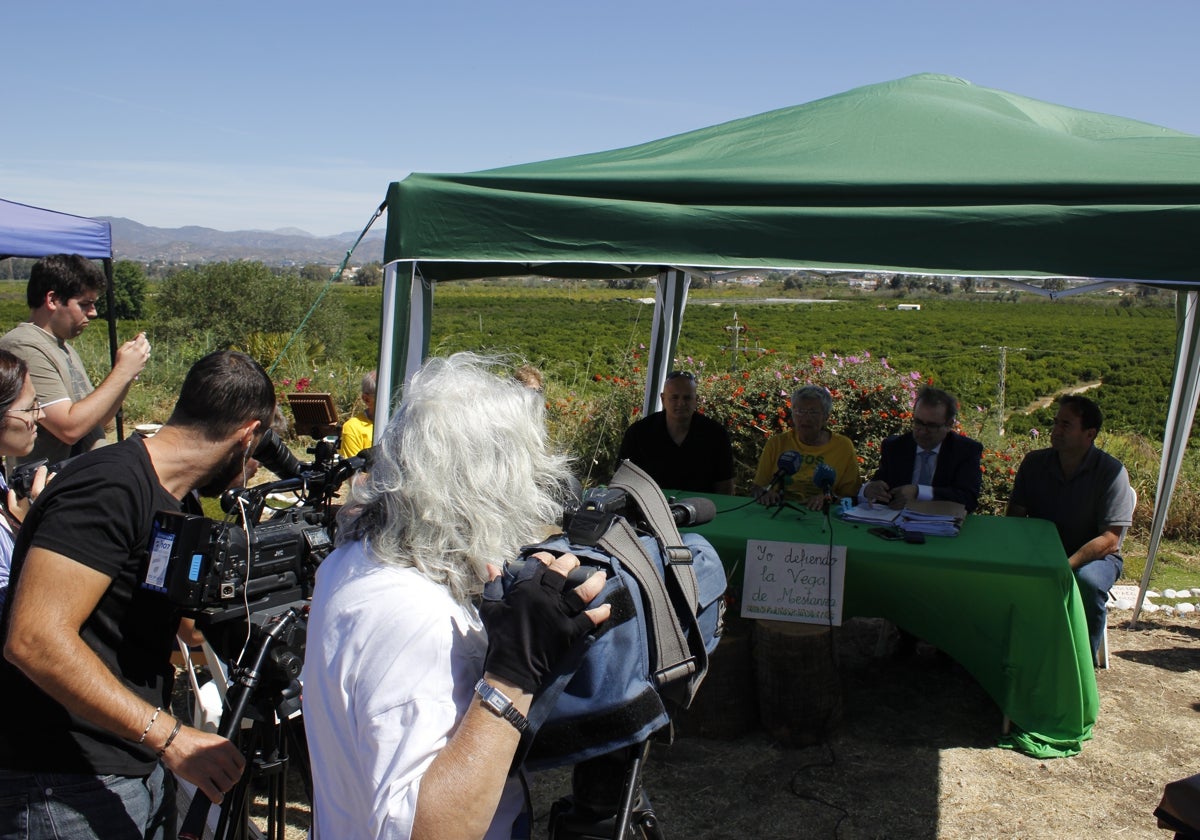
[(415, 691)]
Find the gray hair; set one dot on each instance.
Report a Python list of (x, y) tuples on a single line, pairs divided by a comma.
[(462, 476), (369, 383), (814, 392)]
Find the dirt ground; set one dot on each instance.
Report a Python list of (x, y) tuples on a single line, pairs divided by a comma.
[(914, 756)]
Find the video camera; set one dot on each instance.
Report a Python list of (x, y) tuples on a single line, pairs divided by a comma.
[(241, 568), (585, 522), (21, 480)]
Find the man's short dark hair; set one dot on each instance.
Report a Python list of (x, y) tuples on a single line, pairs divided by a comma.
[(67, 275), (223, 391), (1090, 416), (936, 396)]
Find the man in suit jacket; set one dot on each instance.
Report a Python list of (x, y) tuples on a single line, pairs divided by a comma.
[(929, 462)]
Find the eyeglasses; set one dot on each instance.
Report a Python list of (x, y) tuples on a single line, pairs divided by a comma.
[(681, 374), (921, 424), (33, 411)]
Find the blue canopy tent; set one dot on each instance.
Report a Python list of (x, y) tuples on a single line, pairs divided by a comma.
[(34, 232)]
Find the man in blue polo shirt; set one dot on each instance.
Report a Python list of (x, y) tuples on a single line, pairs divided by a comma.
[(1086, 493)]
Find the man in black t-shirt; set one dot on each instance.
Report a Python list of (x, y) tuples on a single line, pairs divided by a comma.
[(680, 448), (87, 673)]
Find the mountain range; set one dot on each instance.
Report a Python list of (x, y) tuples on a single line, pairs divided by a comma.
[(192, 244)]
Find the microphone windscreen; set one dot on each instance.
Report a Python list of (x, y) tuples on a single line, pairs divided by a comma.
[(824, 476), (789, 462), (694, 510)]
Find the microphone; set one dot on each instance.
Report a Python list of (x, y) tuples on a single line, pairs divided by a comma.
[(693, 511), (786, 466), (824, 476)]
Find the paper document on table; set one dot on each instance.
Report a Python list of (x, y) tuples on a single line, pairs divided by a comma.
[(869, 512), (938, 518)]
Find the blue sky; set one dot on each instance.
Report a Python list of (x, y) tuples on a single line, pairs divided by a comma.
[(262, 115)]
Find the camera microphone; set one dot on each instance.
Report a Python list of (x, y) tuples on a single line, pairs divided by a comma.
[(824, 477), (693, 511)]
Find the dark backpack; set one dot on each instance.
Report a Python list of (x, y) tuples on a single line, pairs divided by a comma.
[(623, 683)]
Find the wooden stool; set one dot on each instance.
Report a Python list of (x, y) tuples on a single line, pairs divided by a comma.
[(799, 690)]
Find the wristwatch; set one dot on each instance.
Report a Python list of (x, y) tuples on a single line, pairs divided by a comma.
[(498, 702)]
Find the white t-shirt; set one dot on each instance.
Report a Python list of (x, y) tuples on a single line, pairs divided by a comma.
[(390, 669)]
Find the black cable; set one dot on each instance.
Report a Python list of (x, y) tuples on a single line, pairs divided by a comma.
[(809, 797)]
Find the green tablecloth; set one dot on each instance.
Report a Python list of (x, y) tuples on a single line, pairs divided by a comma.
[(1000, 598)]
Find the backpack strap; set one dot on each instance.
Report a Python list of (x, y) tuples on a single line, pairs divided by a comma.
[(670, 659), (679, 580)]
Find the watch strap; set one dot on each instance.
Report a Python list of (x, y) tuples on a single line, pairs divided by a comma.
[(498, 702)]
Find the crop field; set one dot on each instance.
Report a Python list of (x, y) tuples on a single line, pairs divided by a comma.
[(1045, 347), (582, 335)]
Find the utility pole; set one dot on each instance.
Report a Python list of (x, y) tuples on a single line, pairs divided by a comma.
[(1000, 389), (735, 331)]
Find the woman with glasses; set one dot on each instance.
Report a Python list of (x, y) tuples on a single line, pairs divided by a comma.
[(18, 431), (816, 445)]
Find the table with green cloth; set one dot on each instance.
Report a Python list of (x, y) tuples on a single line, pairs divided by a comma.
[(1000, 598)]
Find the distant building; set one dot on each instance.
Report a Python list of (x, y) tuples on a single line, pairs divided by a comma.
[(913, 306)]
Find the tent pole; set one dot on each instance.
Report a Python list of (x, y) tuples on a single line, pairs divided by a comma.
[(404, 332), (1185, 389), (669, 301), (110, 300)]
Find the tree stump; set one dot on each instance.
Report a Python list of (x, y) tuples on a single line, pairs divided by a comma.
[(799, 689), (726, 705)]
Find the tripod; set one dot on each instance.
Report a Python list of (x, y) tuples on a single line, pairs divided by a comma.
[(598, 810), (266, 744), (784, 504)]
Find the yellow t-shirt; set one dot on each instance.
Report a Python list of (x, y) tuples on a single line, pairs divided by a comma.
[(837, 453), (357, 435)]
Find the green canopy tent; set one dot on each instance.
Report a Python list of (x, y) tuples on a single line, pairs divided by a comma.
[(928, 174)]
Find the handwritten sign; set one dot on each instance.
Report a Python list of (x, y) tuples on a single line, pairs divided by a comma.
[(800, 582)]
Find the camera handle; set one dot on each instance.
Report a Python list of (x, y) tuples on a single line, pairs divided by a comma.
[(240, 693)]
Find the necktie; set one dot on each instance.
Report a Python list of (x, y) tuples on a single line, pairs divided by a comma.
[(925, 476)]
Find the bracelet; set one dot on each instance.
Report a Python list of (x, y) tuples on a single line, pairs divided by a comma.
[(153, 718), (170, 738)]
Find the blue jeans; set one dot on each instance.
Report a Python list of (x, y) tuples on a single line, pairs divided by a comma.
[(68, 806), (1095, 579)]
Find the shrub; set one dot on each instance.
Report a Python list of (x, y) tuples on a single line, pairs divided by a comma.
[(233, 300), (129, 291), (871, 400)]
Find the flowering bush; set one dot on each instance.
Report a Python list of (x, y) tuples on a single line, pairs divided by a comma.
[(999, 467), (871, 400), (590, 428)]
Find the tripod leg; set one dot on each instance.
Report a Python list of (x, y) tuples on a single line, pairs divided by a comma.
[(631, 792), (298, 742), (234, 809)]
